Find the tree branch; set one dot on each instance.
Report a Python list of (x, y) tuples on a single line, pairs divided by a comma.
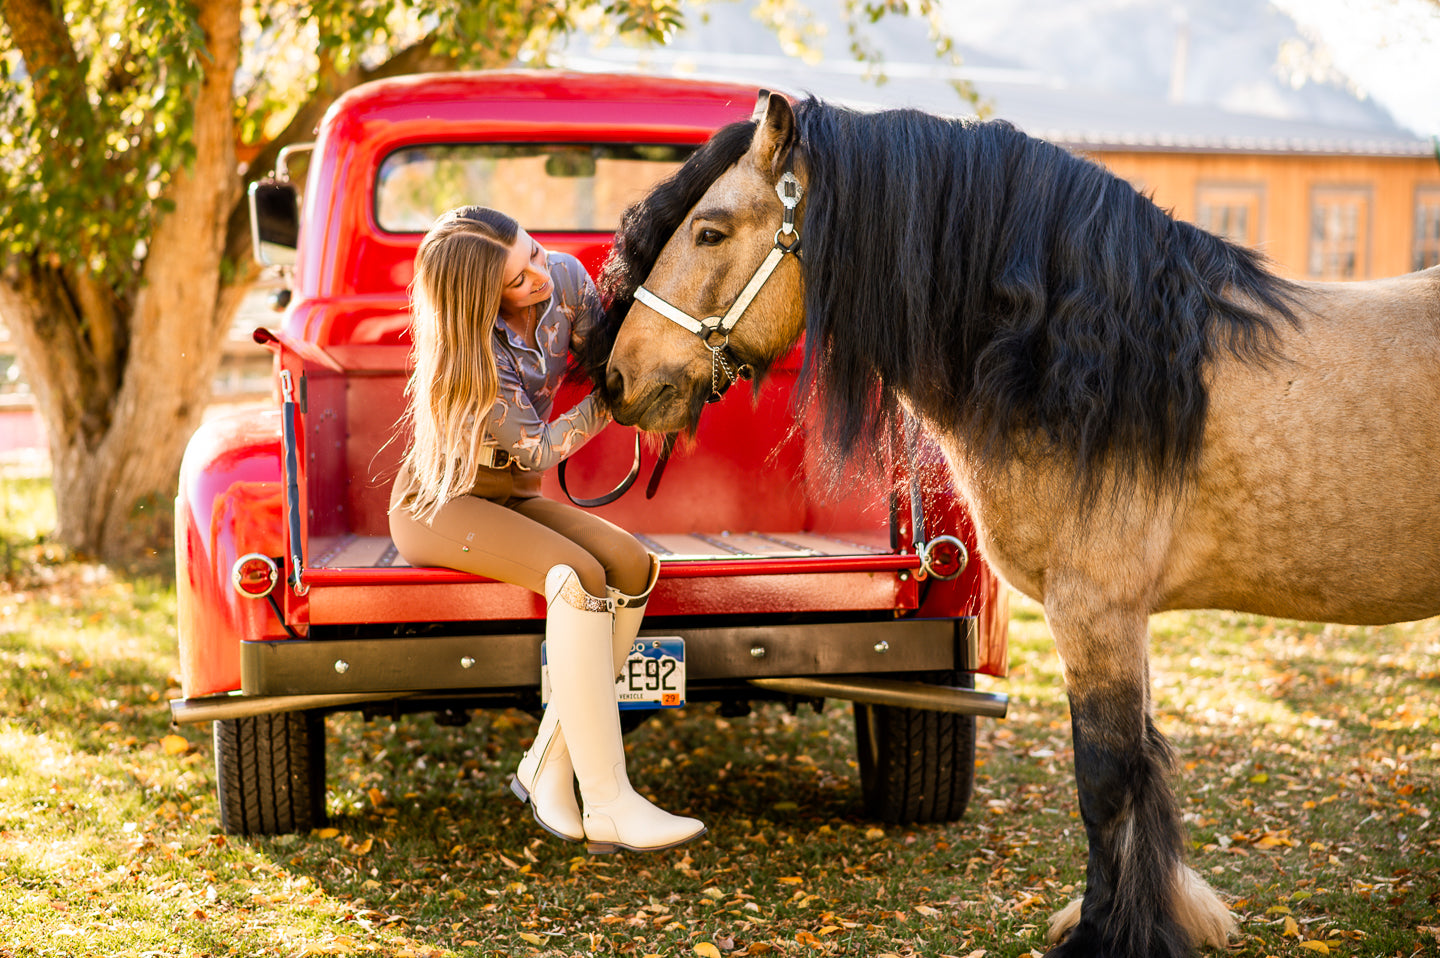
[(50, 59), (417, 58)]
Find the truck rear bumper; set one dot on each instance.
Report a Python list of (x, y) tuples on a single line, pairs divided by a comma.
[(328, 666), (814, 660), (872, 691)]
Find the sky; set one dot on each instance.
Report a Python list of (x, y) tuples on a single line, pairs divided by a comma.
[(1389, 48)]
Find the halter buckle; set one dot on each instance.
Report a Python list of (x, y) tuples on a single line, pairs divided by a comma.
[(713, 326), (790, 191)]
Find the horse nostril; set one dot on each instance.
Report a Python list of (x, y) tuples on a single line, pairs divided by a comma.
[(615, 384)]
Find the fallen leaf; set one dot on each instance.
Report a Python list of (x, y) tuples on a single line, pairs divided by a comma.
[(1319, 947), (707, 950), (363, 848), (927, 911), (532, 938), (327, 832), (175, 744), (1292, 928)]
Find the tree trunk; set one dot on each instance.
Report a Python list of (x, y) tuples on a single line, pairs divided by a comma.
[(122, 378), (115, 452)]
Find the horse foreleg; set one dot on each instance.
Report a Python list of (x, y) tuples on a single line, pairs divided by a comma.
[(1140, 899)]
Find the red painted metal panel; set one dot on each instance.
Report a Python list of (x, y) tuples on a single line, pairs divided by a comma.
[(749, 469), (405, 575), (425, 601), (442, 601), (348, 254), (228, 504)]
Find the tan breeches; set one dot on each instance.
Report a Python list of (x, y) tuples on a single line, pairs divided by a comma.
[(520, 540)]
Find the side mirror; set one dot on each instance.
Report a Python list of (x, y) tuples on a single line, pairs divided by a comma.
[(274, 222)]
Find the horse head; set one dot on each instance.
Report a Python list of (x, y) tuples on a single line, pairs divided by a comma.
[(721, 302)]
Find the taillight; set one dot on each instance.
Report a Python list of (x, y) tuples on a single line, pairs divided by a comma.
[(255, 575)]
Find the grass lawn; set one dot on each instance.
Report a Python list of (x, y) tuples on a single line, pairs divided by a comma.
[(1309, 774)]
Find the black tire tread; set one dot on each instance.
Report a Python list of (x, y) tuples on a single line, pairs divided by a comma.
[(270, 773), (923, 767)]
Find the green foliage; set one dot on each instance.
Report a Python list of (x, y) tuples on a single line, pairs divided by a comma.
[(88, 145), (1308, 780)]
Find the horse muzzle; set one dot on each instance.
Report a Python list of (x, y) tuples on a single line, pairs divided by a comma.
[(651, 405)]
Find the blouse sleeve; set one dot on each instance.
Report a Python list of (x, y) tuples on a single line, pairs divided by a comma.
[(587, 312), (535, 443)]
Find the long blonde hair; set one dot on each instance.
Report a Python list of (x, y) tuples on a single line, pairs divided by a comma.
[(454, 305)]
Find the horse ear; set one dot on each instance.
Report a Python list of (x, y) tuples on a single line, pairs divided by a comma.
[(774, 134), (762, 100)]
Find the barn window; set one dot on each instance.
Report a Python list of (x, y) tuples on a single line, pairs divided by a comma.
[(1339, 233), (1427, 227), (1230, 210)]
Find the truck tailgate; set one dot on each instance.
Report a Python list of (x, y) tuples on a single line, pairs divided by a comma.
[(362, 578)]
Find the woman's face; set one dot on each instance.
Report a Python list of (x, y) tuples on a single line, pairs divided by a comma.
[(526, 276)]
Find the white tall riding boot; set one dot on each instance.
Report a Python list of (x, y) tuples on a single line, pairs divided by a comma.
[(629, 612), (546, 776), (546, 779), (579, 637)]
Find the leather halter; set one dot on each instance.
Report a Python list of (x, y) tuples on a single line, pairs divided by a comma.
[(714, 331)]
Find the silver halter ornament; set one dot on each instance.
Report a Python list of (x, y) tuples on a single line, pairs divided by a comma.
[(714, 331)]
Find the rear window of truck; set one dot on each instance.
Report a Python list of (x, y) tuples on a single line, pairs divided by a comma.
[(555, 187)]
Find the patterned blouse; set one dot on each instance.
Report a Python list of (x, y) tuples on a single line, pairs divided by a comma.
[(519, 420)]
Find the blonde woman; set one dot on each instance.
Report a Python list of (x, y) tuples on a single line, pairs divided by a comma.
[(493, 318)]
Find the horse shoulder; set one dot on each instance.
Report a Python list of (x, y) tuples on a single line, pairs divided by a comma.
[(1041, 541)]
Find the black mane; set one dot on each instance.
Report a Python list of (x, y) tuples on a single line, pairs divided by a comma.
[(1009, 290), (645, 228)]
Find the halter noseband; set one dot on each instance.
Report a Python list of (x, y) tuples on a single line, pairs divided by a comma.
[(714, 331)]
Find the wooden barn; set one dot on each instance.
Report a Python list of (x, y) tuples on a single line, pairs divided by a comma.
[(1334, 209)]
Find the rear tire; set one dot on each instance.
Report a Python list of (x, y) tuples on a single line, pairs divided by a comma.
[(270, 773), (916, 765)]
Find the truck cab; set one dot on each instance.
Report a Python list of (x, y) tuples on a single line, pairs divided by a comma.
[(774, 585)]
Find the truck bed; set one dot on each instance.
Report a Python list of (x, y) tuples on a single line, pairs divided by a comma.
[(351, 552), (735, 515)]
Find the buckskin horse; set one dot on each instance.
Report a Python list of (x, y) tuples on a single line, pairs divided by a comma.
[(1140, 414)]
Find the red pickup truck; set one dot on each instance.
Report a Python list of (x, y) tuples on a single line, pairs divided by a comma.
[(293, 603)]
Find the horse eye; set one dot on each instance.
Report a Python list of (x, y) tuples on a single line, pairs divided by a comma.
[(710, 237)]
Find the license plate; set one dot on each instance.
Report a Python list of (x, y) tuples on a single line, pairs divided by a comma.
[(652, 677)]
